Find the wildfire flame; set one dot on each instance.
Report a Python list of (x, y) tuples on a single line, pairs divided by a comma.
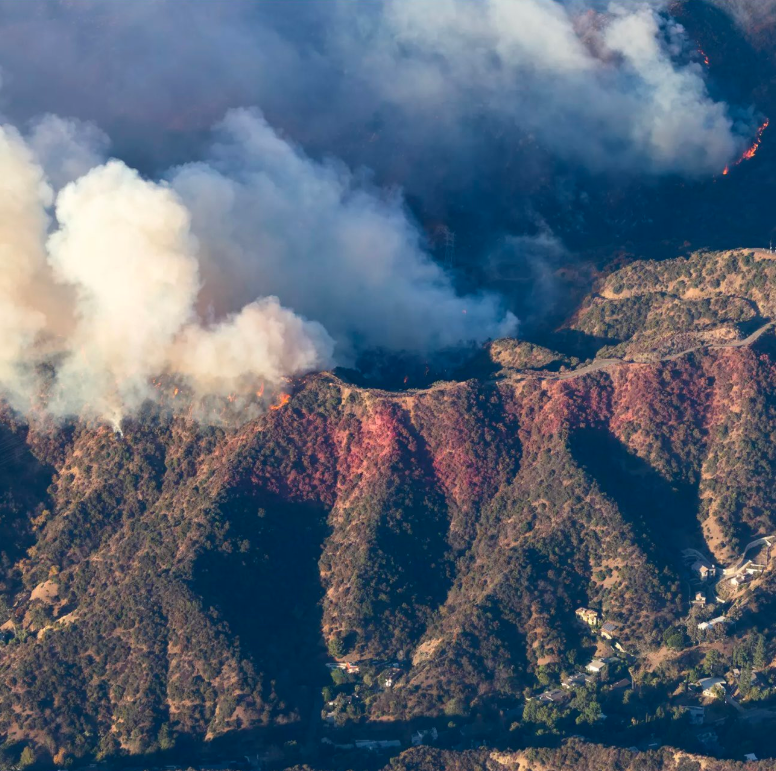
[(284, 400), (704, 56), (752, 151)]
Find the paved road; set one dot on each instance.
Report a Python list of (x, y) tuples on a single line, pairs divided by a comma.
[(601, 364), (743, 562)]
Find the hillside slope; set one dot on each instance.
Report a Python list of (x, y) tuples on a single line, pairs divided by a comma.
[(182, 582)]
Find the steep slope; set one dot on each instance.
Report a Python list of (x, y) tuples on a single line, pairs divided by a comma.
[(179, 582), (576, 756)]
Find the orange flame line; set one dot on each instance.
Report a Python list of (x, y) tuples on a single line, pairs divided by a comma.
[(284, 400), (752, 151)]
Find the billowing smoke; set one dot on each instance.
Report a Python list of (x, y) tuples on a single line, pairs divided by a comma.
[(752, 15), (602, 89), (490, 115), (337, 251), (125, 246), (236, 273), (23, 222), (278, 245), (610, 85), (66, 148)]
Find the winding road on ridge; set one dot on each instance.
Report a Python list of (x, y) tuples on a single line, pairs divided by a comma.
[(602, 364)]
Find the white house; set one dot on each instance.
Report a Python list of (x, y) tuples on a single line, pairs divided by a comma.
[(596, 666), (708, 684), (714, 622)]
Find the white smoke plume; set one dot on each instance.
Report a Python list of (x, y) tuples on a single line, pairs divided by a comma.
[(240, 272), (24, 195), (333, 250)]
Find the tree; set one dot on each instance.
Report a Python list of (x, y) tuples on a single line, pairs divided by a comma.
[(338, 677), (745, 681), (760, 657), (674, 638), (166, 738), (336, 646), (27, 758), (713, 662)]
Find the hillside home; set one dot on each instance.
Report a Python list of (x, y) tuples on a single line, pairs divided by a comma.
[(553, 697), (704, 625), (596, 666), (589, 617), (708, 685), (609, 630), (703, 571), (576, 681), (345, 666)]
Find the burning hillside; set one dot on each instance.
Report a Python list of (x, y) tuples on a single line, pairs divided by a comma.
[(750, 152)]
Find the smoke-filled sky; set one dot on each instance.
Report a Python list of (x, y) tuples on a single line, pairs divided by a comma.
[(287, 154)]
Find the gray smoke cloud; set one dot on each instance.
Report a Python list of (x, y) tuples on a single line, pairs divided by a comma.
[(608, 85), (754, 16), (598, 84), (66, 148), (237, 272)]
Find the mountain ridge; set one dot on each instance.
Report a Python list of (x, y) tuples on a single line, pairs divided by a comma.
[(182, 582)]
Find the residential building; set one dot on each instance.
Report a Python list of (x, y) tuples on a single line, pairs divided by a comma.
[(596, 666), (709, 684), (700, 599), (576, 681), (609, 630), (704, 625), (553, 697), (703, 570), (590, 617), (345, 666)]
